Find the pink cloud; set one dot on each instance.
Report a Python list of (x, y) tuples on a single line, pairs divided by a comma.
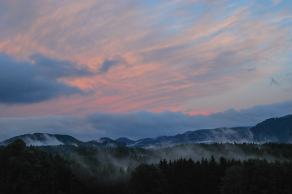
[(163, 66)]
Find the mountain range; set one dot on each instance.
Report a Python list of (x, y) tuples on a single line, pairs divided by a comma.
[(274, 130)]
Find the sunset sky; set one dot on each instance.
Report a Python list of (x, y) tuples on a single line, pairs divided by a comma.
[(142, 68)]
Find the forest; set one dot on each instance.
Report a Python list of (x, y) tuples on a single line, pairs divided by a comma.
[(32, 170)]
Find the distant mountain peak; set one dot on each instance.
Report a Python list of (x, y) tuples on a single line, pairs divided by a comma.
[(44, 139), (108, 142)]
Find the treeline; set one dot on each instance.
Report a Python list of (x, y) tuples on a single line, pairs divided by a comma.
[(210, 176), (29, 170)]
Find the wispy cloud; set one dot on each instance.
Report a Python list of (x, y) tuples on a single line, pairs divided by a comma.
[(180, 56)]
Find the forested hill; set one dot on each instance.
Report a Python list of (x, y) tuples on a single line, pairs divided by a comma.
[(35, 170), (274, 130)]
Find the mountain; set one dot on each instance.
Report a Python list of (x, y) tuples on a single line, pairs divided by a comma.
[(277, 130), (274, 130), (108, 142), (220, 135), (125, 141), (44, 139)]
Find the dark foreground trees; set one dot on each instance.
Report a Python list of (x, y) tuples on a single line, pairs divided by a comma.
[(209, 176), (31, 170), (28, 170)]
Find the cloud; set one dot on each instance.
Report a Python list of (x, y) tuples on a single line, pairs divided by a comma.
[(55, 68), (107, 65), (181, 55), (35, 80), (140, 124), (14, 18)]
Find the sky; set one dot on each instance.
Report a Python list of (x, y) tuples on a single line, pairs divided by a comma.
[(144, 68)]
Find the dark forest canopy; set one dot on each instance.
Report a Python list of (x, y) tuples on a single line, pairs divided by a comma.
[(34, 170)]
